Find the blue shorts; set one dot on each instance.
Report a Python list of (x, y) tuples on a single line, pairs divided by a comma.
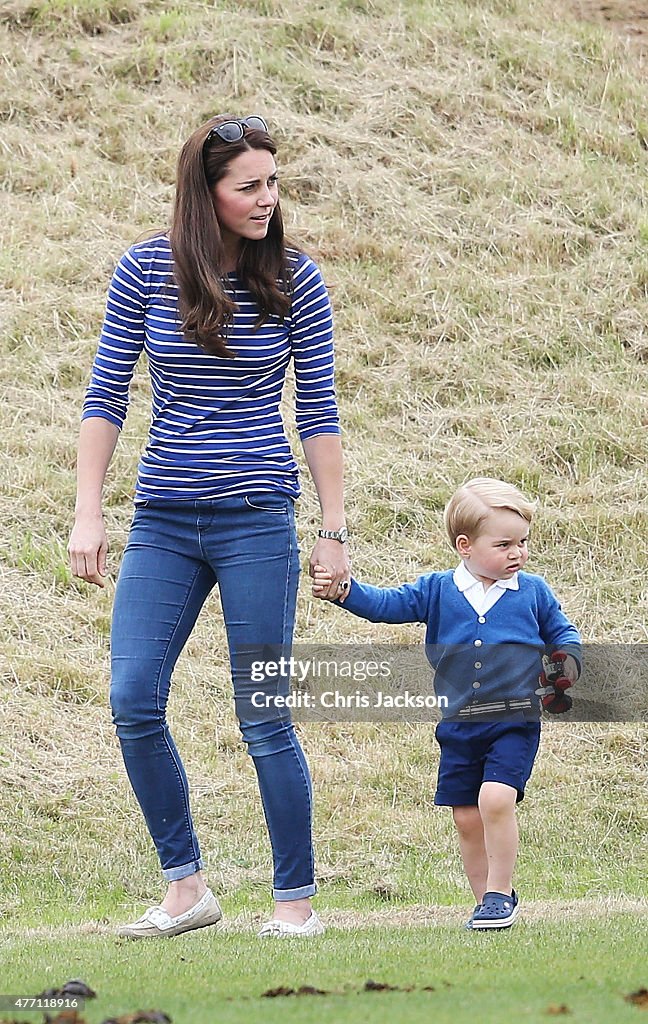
[(477, 752)]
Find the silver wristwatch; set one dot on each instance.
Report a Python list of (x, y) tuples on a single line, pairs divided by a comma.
[(342, 534)]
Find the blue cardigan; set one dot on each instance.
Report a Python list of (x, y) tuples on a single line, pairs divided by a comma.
[(478, 659)]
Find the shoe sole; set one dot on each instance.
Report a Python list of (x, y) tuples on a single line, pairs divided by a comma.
[(289, 935), (479, 926)]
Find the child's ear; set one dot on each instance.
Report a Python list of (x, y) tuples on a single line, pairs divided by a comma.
[(463, 545)]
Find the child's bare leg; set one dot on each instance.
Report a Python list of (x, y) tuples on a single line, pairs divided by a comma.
[(473, 851), (497, 809)]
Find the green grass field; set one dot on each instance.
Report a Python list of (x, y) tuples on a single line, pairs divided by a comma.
[(587, 967), (472, 180)]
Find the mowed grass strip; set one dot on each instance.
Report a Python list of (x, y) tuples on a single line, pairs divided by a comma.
[(442, 973)]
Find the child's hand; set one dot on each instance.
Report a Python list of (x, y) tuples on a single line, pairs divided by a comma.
[(322, 580)]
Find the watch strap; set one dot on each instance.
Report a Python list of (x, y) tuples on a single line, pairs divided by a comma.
[(340, 535)]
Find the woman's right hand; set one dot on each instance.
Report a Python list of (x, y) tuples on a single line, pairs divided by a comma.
[(88, 548)]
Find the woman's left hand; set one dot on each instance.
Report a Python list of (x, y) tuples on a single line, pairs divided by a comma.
[(334, 557)]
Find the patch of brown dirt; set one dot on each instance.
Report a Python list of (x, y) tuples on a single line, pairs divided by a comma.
[(638, 998), (629, 18)]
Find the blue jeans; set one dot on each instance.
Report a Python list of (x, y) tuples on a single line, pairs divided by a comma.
[(176, 553)]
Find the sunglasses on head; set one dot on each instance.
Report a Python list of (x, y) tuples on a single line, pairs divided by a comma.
[(234, 130)]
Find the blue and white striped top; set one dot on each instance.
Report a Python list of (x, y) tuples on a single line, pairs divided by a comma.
[(216, 426)]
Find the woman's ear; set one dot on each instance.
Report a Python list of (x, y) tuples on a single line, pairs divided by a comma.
[(463, 545)]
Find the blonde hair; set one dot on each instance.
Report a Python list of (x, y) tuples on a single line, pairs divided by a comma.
[(473, 502)]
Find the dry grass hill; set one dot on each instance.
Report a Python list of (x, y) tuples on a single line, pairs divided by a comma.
[(471, 178)]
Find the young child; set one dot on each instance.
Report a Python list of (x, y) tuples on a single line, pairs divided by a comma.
[(488, 625)]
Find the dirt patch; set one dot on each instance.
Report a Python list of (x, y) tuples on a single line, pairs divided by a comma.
[(629, 18)]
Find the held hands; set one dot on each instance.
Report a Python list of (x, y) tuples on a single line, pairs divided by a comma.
[(88, 548), (323, 586), (330, 582)]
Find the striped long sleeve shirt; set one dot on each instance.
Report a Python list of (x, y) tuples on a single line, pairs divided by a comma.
[(216, 426)]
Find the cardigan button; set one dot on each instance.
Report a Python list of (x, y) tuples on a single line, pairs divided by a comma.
[(481, 619), (478, 664), (476, 685), (478, 643)]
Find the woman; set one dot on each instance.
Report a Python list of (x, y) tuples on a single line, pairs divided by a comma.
[(219, 304)]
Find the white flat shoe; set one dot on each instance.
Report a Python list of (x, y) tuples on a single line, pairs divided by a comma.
[(285, 930), (157, 923)]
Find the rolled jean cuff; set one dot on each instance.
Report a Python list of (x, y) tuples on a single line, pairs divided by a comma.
[(175, 874), (303, 893)]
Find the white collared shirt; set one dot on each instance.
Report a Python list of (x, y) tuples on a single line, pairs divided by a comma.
[(473, 589)]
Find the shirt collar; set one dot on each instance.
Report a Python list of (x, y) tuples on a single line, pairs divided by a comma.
[(464, 579)]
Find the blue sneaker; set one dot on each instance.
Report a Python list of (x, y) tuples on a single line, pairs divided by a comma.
[(469, 923), (497, 910)]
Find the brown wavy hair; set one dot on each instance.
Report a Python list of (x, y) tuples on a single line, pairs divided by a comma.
[(197, 245)]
